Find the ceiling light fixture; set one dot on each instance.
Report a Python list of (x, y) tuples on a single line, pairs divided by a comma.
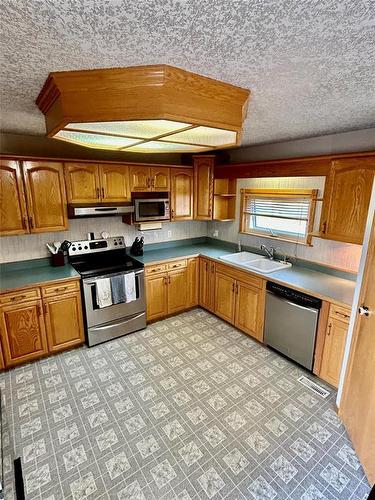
[(145, 109)]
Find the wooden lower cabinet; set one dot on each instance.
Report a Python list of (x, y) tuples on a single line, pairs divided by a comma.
[(23, 333), (64, 323), (240, 303), (249, 313), (193, 282), (207, 284), (33, 327), (171, 287), (224, 297), (156, 296), (334, 346), (177, 291)]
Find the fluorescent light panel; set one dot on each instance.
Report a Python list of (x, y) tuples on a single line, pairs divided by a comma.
[(147, 136)]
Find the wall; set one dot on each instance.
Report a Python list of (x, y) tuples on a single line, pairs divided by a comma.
[(32, 246), (38, 145), (347, 142), (333, 253)]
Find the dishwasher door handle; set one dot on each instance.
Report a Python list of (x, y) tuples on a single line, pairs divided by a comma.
[(301, 307)]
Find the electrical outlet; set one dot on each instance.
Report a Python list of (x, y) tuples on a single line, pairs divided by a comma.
[(169, 234), (215, 234)]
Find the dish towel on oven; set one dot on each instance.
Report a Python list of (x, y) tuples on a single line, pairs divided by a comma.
[(118, 289), (103, 292), (130, 293)]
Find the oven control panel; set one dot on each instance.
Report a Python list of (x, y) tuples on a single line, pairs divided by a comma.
[(92, 246)]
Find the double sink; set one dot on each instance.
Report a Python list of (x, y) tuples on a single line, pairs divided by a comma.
[(256, 262)]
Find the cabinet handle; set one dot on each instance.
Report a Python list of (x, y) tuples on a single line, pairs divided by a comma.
[(18, 297), (165, 280), (233, 285), (212, 268), (342, 314), (148, 183), (102, 192), (172, 213), (97, 193), (237, 288), (329, 329), (24, 222), (206, 267), (61, 289), (169, 279), (39, 312), (152, 182), (45, 308), (155, 269), (324, 227), (31, 222)]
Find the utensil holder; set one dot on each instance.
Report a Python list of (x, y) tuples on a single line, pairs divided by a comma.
[(58, 259)]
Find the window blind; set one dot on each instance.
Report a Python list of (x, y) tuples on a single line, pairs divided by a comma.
[(292, 208)]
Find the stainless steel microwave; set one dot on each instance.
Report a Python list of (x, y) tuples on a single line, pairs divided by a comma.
[(150, 209)]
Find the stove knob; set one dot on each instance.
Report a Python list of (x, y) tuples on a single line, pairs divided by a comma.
[(73, 249), (120, 242), (79, 248), (86, 247), (115, 243)]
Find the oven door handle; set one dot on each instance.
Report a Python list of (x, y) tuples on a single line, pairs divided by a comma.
[(94, 282), (113, 325)]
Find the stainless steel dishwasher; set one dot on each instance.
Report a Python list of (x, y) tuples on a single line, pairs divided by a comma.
[(291, 322)]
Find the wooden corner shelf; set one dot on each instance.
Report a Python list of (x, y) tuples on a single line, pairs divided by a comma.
[(225, 199)]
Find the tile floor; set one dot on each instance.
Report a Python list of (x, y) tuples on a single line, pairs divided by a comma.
[(189, 408)]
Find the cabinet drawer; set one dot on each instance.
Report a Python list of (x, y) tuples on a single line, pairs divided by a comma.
[(155, 269), (177, 264), (244, 276), (57, 288), (20, 296), (338, 312)]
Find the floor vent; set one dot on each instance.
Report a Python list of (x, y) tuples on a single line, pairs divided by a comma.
[(314, 387)]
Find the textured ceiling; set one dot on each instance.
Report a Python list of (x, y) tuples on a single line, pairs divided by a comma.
[(310, 64)]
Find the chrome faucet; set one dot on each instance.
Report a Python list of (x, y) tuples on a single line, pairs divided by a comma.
[(269, 251)]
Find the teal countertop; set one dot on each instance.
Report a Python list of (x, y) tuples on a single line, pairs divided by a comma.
[(32, 272), (325, 285), (319, 284)]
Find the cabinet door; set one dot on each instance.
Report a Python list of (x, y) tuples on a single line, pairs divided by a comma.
[(114, 181), (157, 296), (64, 324), (13, 215), (224, 296), (82, 182), (206, 284), (192, 282), (160, 179), (177, 291), (203, 187), (346, 199), (181, 194), (333, 351), (46, 198), (249, 309), (140, 179), (22, 332)]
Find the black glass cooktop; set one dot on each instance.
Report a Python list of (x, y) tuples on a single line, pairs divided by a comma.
[(104, 263)]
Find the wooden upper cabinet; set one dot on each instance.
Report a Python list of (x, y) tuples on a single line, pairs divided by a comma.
[(13, 214), (203, 186), (143, 178), (160, 179), (346, 199), (23, 333), (114, 180), (140, 178), (181, 194), (46, 198), (82, 182)]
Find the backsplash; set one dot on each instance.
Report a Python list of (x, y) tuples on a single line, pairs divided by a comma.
[(336, 254), (33, 246)]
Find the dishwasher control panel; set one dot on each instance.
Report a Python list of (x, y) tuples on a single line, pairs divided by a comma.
[(293, 295)]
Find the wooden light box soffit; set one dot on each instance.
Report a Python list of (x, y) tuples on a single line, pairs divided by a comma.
[(145, 109)]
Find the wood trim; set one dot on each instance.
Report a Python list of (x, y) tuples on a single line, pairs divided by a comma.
[(39, 284), (82, 160), (286, 167), (320, 337)]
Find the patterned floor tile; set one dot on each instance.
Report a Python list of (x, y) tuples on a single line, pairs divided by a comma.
[(189, 408)]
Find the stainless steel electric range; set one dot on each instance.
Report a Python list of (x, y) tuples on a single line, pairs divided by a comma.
[(104, 258)]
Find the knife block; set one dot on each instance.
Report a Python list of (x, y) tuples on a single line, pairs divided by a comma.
[(58, 259)]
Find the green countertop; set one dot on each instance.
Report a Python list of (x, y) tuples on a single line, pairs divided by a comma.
[(325, 285), (317, 283), (32, 272)]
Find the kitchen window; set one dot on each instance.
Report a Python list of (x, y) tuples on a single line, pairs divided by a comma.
[(284, 214)]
